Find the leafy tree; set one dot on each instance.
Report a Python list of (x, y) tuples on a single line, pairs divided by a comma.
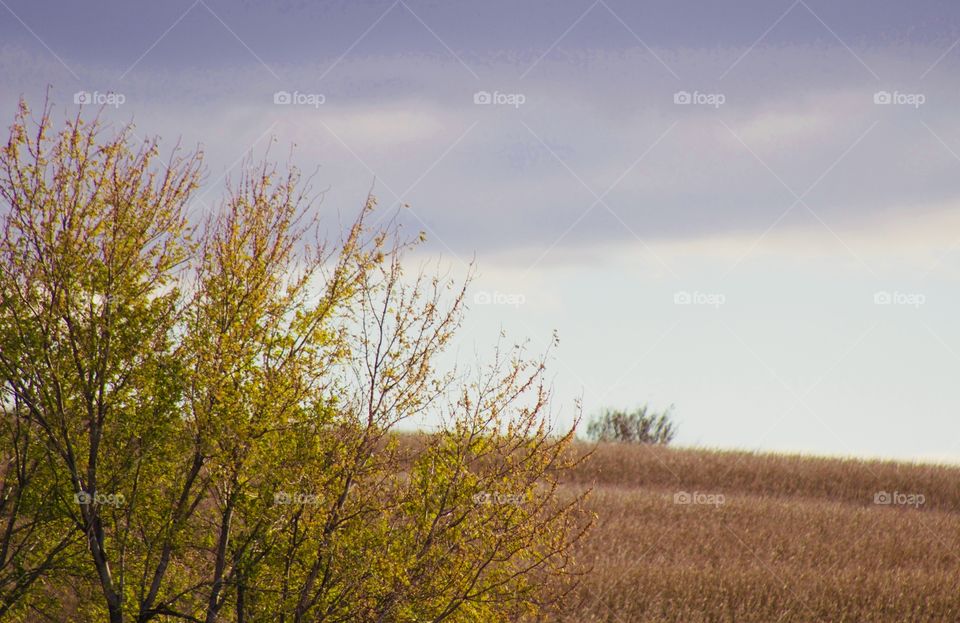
[(639, 426), (199, 422), (35, 539)]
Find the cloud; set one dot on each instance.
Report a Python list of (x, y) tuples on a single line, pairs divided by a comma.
[(599, 153)]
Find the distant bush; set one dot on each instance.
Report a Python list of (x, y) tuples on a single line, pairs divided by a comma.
[(639, 426)]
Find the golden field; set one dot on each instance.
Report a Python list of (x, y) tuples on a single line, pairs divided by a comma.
[(764, 538)]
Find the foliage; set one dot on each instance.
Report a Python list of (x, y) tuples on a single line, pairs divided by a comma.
[(638, 426), (199, 420)]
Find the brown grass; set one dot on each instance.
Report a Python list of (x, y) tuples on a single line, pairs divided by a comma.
[(796, 539)]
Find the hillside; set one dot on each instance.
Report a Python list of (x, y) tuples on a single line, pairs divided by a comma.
[(766, 538)]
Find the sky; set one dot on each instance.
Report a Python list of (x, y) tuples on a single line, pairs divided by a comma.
[(749, 211)]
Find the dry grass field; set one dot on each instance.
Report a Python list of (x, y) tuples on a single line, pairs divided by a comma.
[(765, 538)]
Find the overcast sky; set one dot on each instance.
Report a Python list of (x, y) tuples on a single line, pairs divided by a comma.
[(749, 210)]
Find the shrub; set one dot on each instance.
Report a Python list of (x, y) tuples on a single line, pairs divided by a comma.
[(639, 426)]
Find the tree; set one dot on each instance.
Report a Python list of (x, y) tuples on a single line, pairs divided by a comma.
[(35, 539), (200, 420), (639, 426)]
